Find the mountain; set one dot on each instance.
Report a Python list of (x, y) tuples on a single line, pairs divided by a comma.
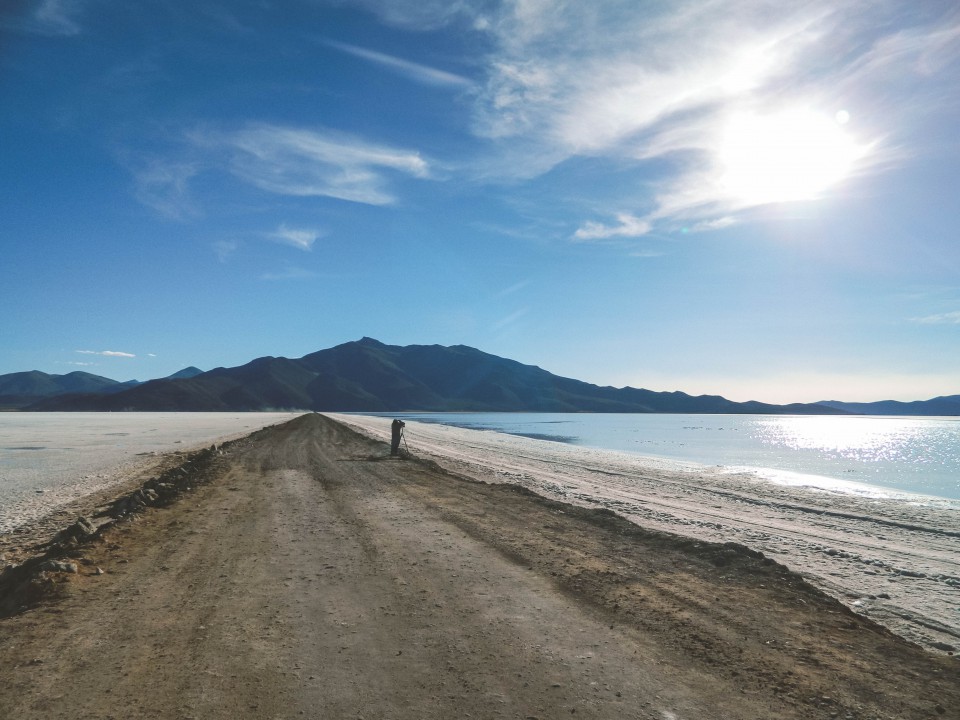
[(367, 375), (187, 372), (944, 405), (19, 390), (23, 388)]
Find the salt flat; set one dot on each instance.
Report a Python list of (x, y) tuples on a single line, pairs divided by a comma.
[(48, 460)]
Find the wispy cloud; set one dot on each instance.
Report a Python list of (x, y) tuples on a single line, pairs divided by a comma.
[(224, 249), (164, 185), (679, 83), (107, 353), (509, 320), (716, 224), (423, 74), (516, 287), (313, 163), (301, 238), (948, 318), (627, 225), (426, 15), (47, 17)]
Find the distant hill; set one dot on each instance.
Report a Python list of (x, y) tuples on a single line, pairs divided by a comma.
[(20, 389), (367, 375), (187, 372), (945, 405)]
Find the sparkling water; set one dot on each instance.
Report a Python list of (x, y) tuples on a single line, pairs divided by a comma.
[(882, 456)]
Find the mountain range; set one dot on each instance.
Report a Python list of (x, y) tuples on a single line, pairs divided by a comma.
[(369, 376), (22, 389)]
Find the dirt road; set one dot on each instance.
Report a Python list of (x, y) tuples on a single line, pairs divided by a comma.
[(314, 576)]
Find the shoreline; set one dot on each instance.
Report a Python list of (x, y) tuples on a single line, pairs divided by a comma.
[(735, 456), (893, 562)]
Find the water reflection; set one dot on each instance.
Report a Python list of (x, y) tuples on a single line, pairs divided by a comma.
[(909, 454), (862, 439)]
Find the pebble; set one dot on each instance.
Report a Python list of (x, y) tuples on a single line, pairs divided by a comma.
[(59, 566)]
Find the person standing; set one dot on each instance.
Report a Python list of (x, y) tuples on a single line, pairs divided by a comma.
[(396, 432)]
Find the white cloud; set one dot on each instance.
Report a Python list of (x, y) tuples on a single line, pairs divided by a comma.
[(107, 353), (948, 318), (639, 82), (414, 71), (716, 224), (314, 163), (627, 226), (301, 238)]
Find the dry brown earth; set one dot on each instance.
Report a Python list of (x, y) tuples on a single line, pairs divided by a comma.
[(310, 575)]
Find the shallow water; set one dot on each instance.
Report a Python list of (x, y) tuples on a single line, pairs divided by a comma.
[(873, 456)]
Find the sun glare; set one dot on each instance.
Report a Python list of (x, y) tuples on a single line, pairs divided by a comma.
[(787, 156)]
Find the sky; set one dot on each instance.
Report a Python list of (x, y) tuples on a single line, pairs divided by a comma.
[(754, 199)]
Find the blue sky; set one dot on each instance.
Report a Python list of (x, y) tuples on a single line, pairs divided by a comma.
[(753, 199)]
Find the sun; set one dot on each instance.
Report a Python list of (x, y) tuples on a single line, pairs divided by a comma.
[(786, 156)]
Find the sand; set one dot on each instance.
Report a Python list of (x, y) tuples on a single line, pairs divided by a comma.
[(895, 562)]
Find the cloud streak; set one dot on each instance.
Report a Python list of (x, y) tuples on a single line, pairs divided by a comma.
[(948, 318), (278, 159), (314, 162), (422, 74), (107, 353)]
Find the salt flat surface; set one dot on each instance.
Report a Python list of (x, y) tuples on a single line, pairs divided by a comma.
[(894, 560), (48, 460)]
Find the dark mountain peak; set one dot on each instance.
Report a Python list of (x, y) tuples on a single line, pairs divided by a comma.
[(78, 375), (187, 372)]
